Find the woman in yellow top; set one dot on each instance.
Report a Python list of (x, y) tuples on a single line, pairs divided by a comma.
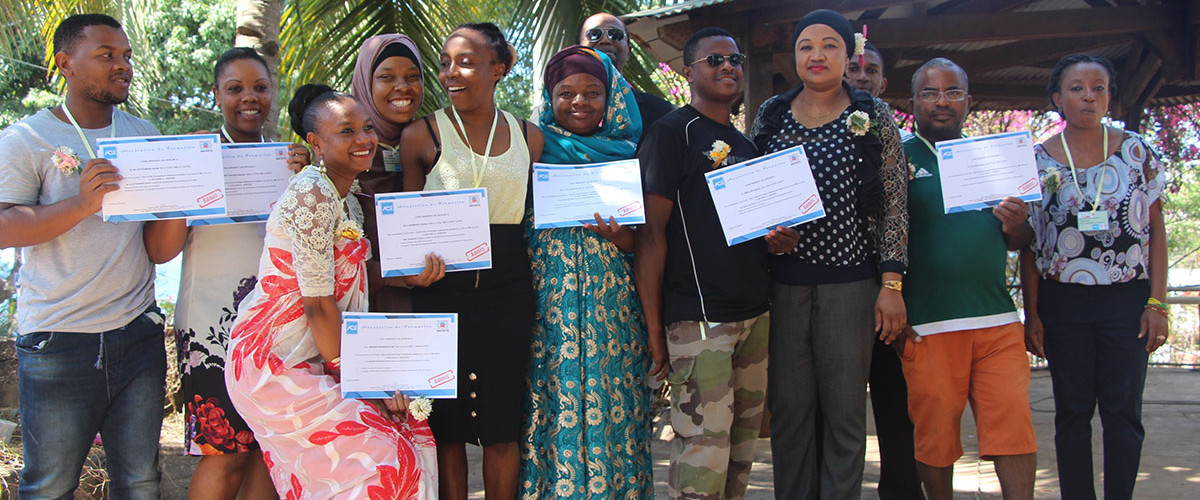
[(474, 144)]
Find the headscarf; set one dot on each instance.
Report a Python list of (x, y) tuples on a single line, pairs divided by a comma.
[(571, 62), (619, 132), (368, 58), (830, 18)]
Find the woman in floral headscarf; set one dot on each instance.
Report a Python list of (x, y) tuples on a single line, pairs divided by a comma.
[(588, 429)]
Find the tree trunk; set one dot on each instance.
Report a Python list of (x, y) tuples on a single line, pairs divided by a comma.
[(258, 27)]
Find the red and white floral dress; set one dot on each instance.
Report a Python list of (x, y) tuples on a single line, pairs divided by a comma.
[(316, 443)]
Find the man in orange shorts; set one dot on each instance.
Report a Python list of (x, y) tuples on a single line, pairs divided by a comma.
[(966, 342)]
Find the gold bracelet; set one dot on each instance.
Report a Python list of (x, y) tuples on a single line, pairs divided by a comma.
[(896, 285)]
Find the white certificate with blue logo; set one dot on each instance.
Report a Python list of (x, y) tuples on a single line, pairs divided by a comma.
[(164, 177), (978, 172), (256, 174), (756, 196), (571, 195), (451, 223), (416, 354)]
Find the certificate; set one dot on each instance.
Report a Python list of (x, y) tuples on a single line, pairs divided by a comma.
[(451, 223), (571, 195), (164, 177), (416, 354), (756, 196), (256, 174), (978, 172)]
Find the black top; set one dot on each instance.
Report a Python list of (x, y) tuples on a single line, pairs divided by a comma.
[(733, 281), (651, 108)]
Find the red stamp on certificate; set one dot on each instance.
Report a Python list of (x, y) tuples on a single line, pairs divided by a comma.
[(210, 198), (808, 204), (630, 208), (478, 251), (1028, 186), (442, 378)]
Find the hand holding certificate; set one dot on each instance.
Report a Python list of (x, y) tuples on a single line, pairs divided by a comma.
[(570, 195), (756, 196), (416, 354), (452, 224), (164, 177), (978, 172), (256, 174)]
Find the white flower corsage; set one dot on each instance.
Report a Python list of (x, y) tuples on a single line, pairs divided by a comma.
[(350, 230), (859, 123), (720, 151), (66, 161), (1051, 180), (860, 44), (420, 407), (912, 171)]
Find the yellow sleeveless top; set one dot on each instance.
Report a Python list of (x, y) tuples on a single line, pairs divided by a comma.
[(506, 176)]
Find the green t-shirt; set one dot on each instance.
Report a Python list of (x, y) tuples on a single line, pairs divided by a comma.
[(957, 262)]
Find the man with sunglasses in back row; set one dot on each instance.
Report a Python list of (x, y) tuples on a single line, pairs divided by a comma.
[(606, 33), (705, 302)]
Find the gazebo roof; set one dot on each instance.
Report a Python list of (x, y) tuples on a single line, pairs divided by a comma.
[(1008, 47)]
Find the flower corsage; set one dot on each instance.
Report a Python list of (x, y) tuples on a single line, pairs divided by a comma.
[(350, 230), (859, 123), (66, 161), (420, 407), (720, 151)]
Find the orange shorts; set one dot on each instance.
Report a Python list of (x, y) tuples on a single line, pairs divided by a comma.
[(987, 367)]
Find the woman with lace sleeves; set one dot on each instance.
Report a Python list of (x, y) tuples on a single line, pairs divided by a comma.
[(284, 362), (826, 299)]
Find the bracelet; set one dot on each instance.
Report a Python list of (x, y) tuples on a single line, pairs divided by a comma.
[(1155, 302), (896, 285), (1157, 309), (335, 363)]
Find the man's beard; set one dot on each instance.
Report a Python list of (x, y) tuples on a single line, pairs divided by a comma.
[(105, 97)]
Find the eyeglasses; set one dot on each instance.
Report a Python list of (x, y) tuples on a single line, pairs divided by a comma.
[(716, 60), (615, 34), (935, 95)]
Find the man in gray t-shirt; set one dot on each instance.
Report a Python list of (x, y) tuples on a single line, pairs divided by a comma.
[(90, 345)]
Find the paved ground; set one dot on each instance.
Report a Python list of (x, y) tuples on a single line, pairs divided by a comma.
[(1170, 458)]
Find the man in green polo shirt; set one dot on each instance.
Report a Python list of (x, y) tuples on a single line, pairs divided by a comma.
[(966, 341)]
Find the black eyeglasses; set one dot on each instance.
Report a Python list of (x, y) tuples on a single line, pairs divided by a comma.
[(716, 60), (615, 34)]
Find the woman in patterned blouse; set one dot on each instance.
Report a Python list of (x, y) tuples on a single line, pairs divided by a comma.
[(1095, 278), (826, 295)]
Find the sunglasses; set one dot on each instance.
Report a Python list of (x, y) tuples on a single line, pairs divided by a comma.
[(716, 60), (615, 34)]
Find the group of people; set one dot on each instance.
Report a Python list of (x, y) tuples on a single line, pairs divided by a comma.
[(558, 340)]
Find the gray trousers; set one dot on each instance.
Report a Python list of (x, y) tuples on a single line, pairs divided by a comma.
[(820, 357)]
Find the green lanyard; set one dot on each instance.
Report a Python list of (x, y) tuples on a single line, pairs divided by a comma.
[(927, 143), (478, 172), (112, 124), (1075, 177)]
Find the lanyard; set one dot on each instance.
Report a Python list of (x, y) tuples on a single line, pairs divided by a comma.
[(479, 171), (112, 124), (261, 138), (1075, 177), (927, 143)]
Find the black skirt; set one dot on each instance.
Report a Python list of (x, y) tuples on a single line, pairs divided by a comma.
[(495, 312)]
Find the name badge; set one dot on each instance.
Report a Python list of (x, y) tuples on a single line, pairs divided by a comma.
[(1095, 220), (391, 159)]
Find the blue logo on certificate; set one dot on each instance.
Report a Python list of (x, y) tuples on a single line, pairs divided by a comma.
[(473, 200), (108, 153), (718, 184), (387, 208), (351, 327), (543, 176), (442, 324), (947, 154)]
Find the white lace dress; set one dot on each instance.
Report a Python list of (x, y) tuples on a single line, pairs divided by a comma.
[(316, 443)]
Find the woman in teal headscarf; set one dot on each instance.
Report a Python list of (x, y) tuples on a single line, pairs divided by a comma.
[(587, 432)]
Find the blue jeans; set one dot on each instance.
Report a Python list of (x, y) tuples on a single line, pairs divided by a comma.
[(1095, 358), (74, 385)]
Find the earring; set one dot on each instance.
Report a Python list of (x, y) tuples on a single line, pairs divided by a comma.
[(321, 164)]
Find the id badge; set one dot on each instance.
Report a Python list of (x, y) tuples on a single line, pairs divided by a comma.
[(391, 160), (1095, 220)]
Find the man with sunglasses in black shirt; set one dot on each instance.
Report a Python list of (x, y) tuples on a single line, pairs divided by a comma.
[(606, 33)]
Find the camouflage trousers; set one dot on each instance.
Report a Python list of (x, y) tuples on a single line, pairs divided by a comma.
[(718, 385)]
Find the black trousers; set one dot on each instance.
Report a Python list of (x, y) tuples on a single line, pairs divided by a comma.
[(898, 478)]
